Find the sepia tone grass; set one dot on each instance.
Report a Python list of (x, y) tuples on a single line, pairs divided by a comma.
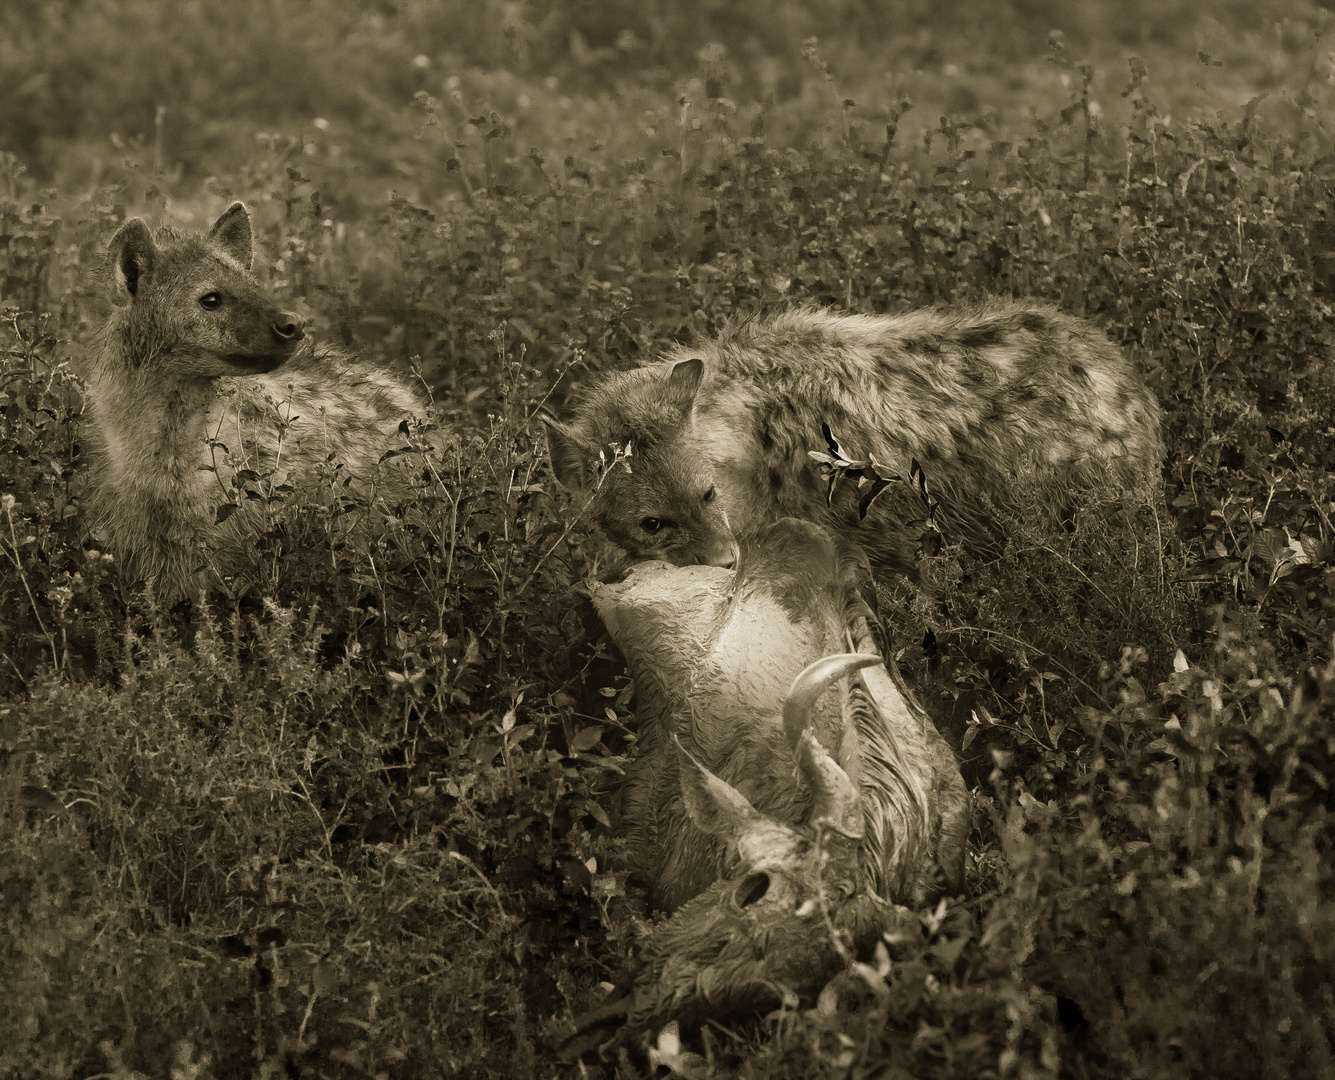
[(354, 819)]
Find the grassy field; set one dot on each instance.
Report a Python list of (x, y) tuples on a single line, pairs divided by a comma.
[(358, 820)]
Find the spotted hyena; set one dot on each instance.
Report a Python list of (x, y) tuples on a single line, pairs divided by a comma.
[(198, 375), (685, 456)]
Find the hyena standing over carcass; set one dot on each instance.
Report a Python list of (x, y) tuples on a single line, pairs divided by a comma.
[(686, 456), (199, 375)]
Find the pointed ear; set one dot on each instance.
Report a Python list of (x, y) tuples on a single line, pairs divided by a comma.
[(570, 457), (133, 254), (837, 804), (714, 806), (231, 232), (684, 382)]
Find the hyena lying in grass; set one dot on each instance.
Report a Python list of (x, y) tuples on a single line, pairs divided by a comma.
[(199, 376), (686, 456)]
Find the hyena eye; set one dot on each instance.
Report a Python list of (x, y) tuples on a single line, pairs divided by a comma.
[(211, 300), (709, 495), (651, 525)]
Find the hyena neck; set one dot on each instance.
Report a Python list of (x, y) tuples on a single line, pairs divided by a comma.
[(723, 427), (153, 424)]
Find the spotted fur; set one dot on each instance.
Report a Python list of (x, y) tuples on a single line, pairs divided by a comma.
[(981, 396), (199, 375)]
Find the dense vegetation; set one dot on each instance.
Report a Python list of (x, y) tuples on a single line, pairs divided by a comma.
[(355, 820)]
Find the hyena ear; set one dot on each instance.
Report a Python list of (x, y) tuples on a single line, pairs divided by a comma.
[(133, 254), (570, 457), (231, 232), (684, 382)]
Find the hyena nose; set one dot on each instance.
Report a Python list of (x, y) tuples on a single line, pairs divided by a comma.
[(723, 553), (288, 326)]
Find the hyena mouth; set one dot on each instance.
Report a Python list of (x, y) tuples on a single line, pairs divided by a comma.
[(255, 365)]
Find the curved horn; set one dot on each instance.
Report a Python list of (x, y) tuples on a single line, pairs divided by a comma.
[(811, 682), (837, 803)]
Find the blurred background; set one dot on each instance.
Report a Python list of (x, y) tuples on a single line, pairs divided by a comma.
[(422, 171), (191, 81)]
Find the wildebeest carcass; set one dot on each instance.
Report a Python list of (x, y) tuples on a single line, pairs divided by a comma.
[(789, 792)]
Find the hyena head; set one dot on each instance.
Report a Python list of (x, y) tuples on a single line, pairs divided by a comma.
[(633, 445), (190, 305)]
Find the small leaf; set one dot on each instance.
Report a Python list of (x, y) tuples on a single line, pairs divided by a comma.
[(931, 543), (832, 442), (599, 815), (919, 479), (576, 873), (587, 738), (869, 496), (225, 511), (829, 491)]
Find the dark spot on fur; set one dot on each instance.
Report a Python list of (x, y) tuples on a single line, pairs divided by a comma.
[(924, 344), (980, 337), (1070, 1015), (1033, 322), (1078, 370)]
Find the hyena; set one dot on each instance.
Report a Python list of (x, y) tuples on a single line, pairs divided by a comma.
[(687, 455), (197, 375)]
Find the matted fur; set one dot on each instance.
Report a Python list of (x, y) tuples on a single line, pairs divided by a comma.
[(781, 838), (181, 397), (981, 396)]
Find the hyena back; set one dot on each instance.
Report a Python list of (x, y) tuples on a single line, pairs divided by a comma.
[(199, 375), (712, 443)]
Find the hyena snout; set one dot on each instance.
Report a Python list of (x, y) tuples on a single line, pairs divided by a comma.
[(288, 326), (721, 551)]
